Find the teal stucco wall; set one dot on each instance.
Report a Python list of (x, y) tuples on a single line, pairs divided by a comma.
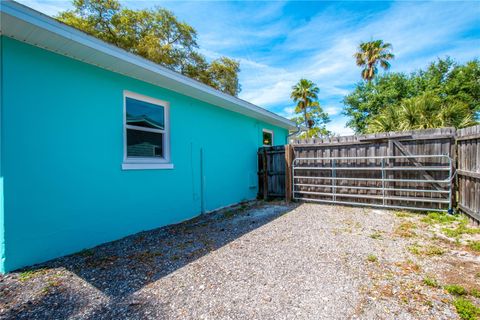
[(62, 150)]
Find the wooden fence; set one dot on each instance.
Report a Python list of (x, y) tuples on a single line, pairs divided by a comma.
[(468, 171), (408, 143)]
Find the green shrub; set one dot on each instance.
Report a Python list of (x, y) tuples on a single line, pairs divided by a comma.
[(455, 289), (372, 258), (475, 293), (466, 309), (431, 282)]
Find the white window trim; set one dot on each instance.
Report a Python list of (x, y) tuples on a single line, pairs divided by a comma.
[(139, 163), (267, 131)]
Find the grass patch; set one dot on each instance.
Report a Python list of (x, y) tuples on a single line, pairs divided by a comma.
[(466, 309), (405, 229), (460, 229), (433, 251), (30, 274), (376, 235), (455, 289), (475, 293), (439, 218), (431, 282), (372, 258), (418, 250), (403, 214), (474, 245), (228, 214)]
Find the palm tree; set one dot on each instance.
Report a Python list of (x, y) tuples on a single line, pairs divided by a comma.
[(422, 112), (372, 53), (304, 93)]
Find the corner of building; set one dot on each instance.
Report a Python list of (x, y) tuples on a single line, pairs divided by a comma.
[(2, 217)]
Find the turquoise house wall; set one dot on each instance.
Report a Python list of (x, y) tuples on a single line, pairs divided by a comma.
[(62, 150)]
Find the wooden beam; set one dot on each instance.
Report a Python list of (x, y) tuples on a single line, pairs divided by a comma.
[(417, 164), (469, 174)]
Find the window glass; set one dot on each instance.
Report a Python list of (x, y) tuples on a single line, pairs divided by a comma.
[(267, 138), (144, 144), (145, 114)]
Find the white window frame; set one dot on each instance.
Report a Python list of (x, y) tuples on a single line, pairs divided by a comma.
[(267, 131), (132, 163)]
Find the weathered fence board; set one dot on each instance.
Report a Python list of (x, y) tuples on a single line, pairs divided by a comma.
[(468, 153)]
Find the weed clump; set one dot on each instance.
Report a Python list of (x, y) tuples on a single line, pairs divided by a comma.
[(431, 282), (439, 218), (405, 229), (372, 258), (466, 309), (455, 289), (474, 245)]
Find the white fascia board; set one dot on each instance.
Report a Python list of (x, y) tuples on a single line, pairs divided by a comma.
[(17, 18)]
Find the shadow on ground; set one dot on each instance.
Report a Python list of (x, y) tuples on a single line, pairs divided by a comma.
[(115, 270)]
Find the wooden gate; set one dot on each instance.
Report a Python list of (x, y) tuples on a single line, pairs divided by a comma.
[(271, 172), (411, 169)]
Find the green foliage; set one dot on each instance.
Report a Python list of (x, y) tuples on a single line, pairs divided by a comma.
[(376, 235), (370, 55), (30, 274), (474, 245), (475, 293), (372, 258), (466, 309), (155, 34), (460, 229), (421, 112), (445, 94), (439, 218), (455, 289), (431, 282), (308, 109)]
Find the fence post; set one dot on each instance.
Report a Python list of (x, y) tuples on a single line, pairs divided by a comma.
[(288, 172)]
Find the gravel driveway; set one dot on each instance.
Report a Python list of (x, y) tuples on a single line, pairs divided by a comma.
[(256, 261)]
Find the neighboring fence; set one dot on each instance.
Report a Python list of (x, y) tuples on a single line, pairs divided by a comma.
[(468, 171), (379, 169)]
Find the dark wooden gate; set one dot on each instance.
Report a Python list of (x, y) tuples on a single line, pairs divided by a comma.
[(271, 172)]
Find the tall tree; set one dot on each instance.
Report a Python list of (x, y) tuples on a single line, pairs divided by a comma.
[(370, 55), (308, 109), (444, 82), (155, 34), (303, 94)]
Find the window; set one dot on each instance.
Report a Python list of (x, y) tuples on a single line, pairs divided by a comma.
[(147, 133), (267, 138)]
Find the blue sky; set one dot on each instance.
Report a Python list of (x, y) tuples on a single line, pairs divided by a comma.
[(278, 42)]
